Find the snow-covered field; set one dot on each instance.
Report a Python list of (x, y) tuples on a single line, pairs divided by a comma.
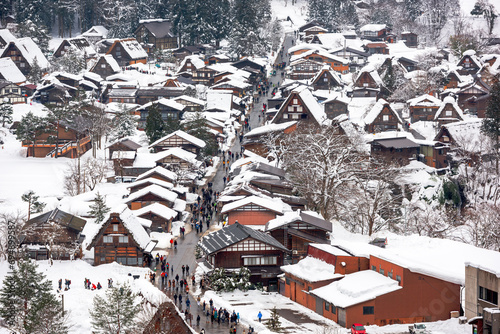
[(78, 300)]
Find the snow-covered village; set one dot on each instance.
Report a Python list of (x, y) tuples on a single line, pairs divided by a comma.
[(249, 166)]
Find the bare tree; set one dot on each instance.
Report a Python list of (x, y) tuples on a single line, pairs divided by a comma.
[(322, 164), (481, 226), (374, 200), (80, 178), (16, 220)]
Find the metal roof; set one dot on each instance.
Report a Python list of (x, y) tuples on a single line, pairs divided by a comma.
[(60, 217), (396, 143), (217, 241)]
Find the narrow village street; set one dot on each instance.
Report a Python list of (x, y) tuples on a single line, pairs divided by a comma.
[(185, 252)]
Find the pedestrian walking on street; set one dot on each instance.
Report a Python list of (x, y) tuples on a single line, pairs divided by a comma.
[(259, 316)]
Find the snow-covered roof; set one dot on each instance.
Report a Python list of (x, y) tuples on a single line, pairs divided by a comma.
[(373, 73), (190, 99), (151, 180), (333, 73), (184, 135), (159, 170), (154, 189), (7, 36), (31, 51), (235, 82), (448, 100), (176, 152), (219, 99), (131, 223), (372, 27), (132, 47), (165, 102), (99, 31), (332, 40), (10, 72), (425, 100), (275, 205), (377, 109), (195, 60), (157, 209), (305, 46), (123, 155), (356, 288), (312, 270), (467, 133), (309, 217), (112, 63), (330, 249), (310, 103)]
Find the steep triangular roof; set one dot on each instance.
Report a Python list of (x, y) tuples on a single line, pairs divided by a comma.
[(449, 101), (377, 109), (184, 135), (131, 223), (156, 190), (165, 173)]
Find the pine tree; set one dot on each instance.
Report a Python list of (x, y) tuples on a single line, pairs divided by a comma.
[(34, 205), (197, 126), (124, 124), (6, 112), (116, 313), (491, 124), (99, 208), (35, 74), (27, 303), (274, 322), (30, 127), (155, 126)]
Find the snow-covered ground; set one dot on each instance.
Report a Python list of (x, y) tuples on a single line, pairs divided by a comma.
[(78, 300)]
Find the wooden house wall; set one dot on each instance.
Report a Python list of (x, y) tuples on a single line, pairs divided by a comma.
[(336, 66), (173, 160), (400, 157), (415, 302), (423, 113), (443, 118), (379, 125), (118, 147), (296, 289), (148, 199), (250, 217), (335, 108), (176, 141), (468, 66), (17, 57), (143, 35), (109, 252), (365, 80), (122, 57), (158, 223), (103, 68)]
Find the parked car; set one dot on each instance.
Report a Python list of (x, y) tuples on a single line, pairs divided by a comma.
[(418, 329), (358, 329)]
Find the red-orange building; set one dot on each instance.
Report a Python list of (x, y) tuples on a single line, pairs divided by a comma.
[(252, 210)]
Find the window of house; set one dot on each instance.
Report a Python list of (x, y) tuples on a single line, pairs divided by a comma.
[(334, 309), (295, 101), (325, 79), (365, 84), (287, 281), (295, 116), (107, 239), (309, 288), (285, 116), (385, 118), (103, 65), (488, 295), (398, 278), (368, 310), (446, 138), (132, 261), (123, 239), (449, 112), (327, 306), (115, 227), (374, 268), (389, 274), (22, 64), (382, 271), (299, 108), (122, 260)]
